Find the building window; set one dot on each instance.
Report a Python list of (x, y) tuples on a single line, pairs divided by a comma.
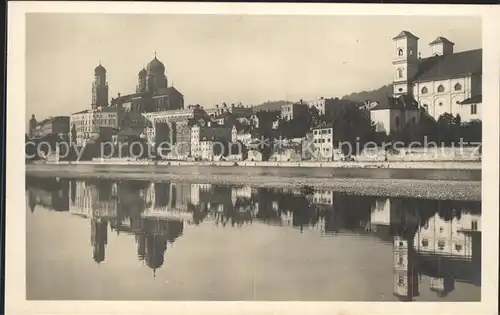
[(425, 242), (426, 107), (424, 90), (441, 245), (473, 109), (458, 247), (458, 87), (401, 280), (400, 52), (400, 73), (474, 225), (440, 89)]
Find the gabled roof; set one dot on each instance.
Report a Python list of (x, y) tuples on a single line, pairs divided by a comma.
[(477, 99), (440, 40), (456, 64), (404, 34), (324, 125), (401, 102)]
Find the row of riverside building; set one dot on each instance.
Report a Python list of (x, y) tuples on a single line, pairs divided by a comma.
[(445, 82)]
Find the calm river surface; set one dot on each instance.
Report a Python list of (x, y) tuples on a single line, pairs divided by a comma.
[(101, 239)]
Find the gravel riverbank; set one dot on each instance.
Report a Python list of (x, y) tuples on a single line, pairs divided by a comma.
[(424, 189)]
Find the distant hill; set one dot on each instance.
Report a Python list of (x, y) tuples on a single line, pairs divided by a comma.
[(272, 105), (374, 95)]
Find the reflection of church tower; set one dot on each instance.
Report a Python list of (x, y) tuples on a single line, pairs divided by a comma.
[(31, 200), (156, 245), (405, 273), (99, 238), (141, 246), (72, 184), (99, 87)]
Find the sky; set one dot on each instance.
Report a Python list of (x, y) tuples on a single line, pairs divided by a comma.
[(221, 58)]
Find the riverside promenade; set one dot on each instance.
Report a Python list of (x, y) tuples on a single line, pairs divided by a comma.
[(459, 183)]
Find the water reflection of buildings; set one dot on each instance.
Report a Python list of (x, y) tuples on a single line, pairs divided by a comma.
[(440, 240), (128, 207), (51, 193)]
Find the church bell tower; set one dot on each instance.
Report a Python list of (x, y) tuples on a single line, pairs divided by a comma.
[(99, 87), (405, 62)]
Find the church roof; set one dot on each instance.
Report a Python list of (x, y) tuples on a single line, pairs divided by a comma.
[(99, 69), (452, 65), (155, 66), (401, 102), (440, 40), (404, 34), (125, 98)]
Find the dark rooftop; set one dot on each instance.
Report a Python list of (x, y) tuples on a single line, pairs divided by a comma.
[(404, 34), (440, 40), (401, 102), (457, 64)]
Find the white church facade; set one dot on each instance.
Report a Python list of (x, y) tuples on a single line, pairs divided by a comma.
[(447, 82)]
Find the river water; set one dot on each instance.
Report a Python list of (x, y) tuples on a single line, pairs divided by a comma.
[(103, 239)]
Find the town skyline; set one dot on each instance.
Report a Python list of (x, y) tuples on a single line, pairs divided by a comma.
[(248, 59)]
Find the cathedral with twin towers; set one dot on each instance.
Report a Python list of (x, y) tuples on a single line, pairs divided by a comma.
[(152, 93)]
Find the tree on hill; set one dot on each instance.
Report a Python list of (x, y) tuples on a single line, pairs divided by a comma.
[(314, 117), (352, 128)]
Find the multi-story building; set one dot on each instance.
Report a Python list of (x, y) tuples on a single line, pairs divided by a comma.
[(208, 142), (323, 142), (90, 123), (295, 111), (448, 238), (180, 117), (447, 82), (331, 107), (54, 125)]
